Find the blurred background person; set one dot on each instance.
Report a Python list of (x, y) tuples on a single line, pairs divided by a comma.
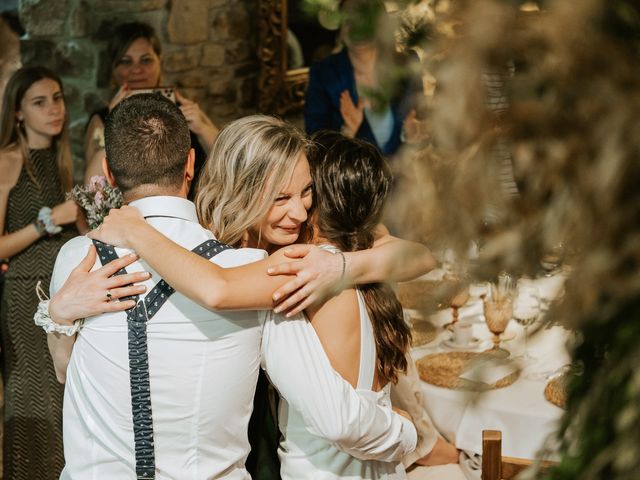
[(356, 91), (35, 221), (135, 55)]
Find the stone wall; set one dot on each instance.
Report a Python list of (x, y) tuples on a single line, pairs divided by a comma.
[(208, 51), (9, 53)]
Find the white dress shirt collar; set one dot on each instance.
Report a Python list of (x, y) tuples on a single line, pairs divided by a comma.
[(166, 206)]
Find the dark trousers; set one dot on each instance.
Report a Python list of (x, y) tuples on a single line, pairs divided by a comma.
[(263, 462)]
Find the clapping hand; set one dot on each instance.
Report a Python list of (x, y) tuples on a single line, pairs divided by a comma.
[(352, 115)]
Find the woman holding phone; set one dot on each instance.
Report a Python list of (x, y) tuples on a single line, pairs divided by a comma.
[(135, 54)]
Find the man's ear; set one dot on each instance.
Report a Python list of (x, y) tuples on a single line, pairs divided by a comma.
[(107, 172), (189, 167)]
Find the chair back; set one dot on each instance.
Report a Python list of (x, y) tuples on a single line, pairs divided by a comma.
[(497, 467)]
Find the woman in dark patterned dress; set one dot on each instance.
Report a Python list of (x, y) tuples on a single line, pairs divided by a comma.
[(35, 221)]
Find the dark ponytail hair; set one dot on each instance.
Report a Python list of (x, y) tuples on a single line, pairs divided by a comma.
[(352, 181)]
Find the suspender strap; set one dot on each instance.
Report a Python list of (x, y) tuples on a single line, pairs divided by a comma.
[(137, 318)]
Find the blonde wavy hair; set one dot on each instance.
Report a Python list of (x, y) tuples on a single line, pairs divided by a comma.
[(250, 163)]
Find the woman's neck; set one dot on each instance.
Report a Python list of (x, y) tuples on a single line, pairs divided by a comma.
[(38, 142)]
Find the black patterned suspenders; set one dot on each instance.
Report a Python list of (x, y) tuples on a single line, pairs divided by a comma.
[(137, 318)]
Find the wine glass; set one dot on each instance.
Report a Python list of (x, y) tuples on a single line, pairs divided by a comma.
[(459, 298), (498, 309), (551, 261), (526, 310), (454, 273)]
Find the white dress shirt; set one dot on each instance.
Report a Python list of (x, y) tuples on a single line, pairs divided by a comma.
[(203, 372), (331, 430)]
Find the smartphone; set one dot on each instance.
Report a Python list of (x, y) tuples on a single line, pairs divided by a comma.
[(164, 91)]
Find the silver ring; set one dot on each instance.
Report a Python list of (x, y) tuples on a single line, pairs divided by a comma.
[(109, 295)]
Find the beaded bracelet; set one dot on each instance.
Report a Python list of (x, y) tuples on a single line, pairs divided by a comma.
[(44, 216)]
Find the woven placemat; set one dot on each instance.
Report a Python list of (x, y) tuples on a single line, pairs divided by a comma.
[(418, 295), (556, 392), (422, 332), (444, 370)]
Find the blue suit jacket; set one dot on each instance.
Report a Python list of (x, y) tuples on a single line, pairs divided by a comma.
[(327, 80)]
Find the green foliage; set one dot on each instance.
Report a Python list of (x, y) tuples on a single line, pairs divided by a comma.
[(571, 74)]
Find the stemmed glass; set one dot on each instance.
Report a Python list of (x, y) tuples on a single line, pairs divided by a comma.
[(498, 309), (457, 300), (526, 310), (454, 274)]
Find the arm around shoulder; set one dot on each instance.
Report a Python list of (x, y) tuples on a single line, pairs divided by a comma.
[(391, 259)]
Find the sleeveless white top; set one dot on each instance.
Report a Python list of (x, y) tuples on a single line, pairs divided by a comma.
[(306, 456)]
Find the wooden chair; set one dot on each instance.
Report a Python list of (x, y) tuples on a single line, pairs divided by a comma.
[(497, 467)]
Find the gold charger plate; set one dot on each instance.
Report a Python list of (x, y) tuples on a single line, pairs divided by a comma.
[(422, 332), (444, 370), (556, 391), (418, 295)]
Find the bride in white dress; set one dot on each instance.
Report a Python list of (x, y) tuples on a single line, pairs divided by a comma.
[(361, 332)]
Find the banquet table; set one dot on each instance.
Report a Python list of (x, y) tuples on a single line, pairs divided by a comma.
[(519, 410)]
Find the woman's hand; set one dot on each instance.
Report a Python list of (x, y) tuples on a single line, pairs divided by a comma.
[(85, 293), (118, 225), (318, 276), (65, 213), (352, 115), (123, 92), (198, 122), (442, 453), (415, 130)]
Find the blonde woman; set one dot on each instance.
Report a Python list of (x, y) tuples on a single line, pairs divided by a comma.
[(35, 221), (254, 159)]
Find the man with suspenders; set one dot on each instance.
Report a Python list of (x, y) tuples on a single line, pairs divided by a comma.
[(191, 423), (163, 390)]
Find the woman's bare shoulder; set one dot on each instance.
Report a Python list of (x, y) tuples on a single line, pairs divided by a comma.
[(10, 166), (337, 324)]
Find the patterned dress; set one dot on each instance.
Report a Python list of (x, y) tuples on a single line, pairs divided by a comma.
[(33, 398)]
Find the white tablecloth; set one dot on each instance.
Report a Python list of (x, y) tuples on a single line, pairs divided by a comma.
[(520, 411)]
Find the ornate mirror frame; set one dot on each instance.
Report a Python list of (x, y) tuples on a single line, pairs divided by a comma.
[(280, 91)]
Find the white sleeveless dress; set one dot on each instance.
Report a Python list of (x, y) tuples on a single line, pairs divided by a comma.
[(306, 456)]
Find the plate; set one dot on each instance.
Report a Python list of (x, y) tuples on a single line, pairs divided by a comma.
[(474, 344)]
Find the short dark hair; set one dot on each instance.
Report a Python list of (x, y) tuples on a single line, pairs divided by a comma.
[(146, 141), (125, 34)]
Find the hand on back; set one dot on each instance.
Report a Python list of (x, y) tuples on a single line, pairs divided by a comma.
[(117, 225), (318, 277), (84, 294)]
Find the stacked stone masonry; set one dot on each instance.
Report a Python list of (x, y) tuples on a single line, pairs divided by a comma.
[(208, 52)]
